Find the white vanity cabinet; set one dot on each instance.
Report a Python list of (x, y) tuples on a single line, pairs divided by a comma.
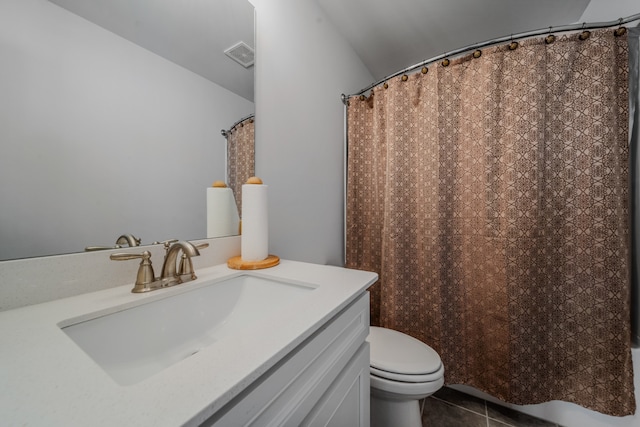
[(292, 352), (323, 382)]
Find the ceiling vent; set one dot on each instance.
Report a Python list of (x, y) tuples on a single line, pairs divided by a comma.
[(242, 53)]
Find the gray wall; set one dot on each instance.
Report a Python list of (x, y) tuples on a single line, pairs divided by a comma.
[(303, 65)]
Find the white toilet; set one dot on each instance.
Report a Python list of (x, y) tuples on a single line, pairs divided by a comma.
[(403, 371)]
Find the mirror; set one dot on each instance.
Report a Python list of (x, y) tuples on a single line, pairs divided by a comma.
[(103, 133)]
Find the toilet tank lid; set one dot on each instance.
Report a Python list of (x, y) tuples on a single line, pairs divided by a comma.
[(394, 351)]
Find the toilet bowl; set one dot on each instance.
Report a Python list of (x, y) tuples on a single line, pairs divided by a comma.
[(403, 370)]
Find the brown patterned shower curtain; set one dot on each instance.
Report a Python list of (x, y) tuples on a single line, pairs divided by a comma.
[(240, 157), (492, 198)]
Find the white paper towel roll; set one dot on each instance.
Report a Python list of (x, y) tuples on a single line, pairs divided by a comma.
[(255, 223), (222, 212)]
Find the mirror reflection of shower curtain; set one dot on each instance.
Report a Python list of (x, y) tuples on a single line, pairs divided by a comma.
[(634, 141), (240, 157)]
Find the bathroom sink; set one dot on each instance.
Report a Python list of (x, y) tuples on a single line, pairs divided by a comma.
[(135, 343)]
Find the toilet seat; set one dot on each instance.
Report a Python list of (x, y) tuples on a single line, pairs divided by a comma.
[(399, 357), (425, 378)]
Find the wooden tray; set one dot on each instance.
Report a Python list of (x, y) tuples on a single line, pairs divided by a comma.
[(238, 264)]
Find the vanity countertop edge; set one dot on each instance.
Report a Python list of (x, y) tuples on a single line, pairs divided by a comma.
[(48, 380)]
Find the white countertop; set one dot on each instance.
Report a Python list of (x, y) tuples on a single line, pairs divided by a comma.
[(47, 380)]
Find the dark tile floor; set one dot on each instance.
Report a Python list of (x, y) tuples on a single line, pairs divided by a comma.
[(452, 408)]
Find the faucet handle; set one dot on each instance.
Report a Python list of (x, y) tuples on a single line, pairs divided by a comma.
[(185, 267), (166, 244), (145, 275), (101, 248)]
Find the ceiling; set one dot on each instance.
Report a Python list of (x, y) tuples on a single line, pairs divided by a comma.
[(193, 34), (390, 35)]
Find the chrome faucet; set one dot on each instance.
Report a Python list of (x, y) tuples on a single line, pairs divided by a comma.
[(146, 281), (129, 239), (125, 239), (169, 271)]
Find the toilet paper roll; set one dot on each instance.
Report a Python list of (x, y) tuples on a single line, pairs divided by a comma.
[(255, 223), (222, 212)]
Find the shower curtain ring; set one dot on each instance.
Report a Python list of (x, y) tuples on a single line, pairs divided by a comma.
[(620, 31), (513, 45), (550, 38), (585, 34)]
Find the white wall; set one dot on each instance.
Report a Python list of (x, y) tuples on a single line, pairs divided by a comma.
[(139, 136), (302, 67)]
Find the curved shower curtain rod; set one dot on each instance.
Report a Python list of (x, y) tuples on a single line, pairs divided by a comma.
[(562, 28), (225, 133)]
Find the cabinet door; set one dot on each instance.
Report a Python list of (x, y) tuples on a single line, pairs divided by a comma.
[(346, 402), (289, 391)]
